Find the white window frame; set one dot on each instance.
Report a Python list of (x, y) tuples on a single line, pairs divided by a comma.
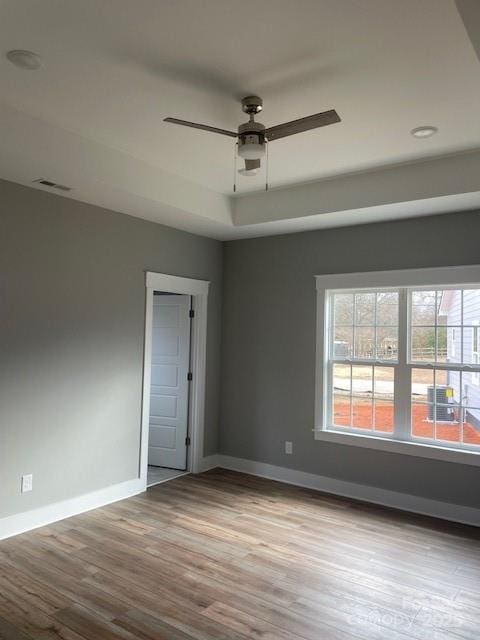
[(406, 278)]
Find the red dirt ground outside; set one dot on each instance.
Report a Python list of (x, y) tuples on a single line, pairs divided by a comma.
[(421, 427)]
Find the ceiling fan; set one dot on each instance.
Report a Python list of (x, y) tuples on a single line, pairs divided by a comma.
[(252, 137)]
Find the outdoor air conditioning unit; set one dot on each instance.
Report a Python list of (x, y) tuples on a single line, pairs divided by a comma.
[(441, 406)]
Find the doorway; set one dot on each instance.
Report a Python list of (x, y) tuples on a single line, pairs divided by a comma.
[(174, 377), (169, 386)]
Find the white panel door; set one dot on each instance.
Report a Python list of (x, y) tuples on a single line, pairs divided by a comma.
[(169, 383)]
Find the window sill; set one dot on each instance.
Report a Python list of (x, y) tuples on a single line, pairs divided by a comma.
[(397, 446)]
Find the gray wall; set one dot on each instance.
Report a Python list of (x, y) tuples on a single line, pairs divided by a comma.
[(268, 350), (71, 339), (72, 299)]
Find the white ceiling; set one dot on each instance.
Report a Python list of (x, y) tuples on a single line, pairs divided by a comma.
[(92, 117)]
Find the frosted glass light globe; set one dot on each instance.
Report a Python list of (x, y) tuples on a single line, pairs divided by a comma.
[(251, 151)]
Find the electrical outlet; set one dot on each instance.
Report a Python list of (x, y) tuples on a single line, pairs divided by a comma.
[(27, 483), (288, 447)]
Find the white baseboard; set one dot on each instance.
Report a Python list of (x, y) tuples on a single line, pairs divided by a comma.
[(21, 522), (375, 495), (209, 462)]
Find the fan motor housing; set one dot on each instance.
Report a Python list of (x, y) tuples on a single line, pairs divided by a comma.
[(255, 131), (251, 139)]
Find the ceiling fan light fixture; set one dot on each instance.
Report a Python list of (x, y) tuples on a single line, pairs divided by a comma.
[(251, 151), (251, 147)]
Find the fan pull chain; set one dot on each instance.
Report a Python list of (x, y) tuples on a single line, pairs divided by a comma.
[(235, 153), (266, 166)]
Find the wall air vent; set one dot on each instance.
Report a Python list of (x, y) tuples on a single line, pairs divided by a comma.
[(52, 185)]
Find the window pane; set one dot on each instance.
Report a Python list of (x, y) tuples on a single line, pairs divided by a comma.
[(365, 309), (422, 425), (387, 343), (364, 343), (362, 395), (440, 410), (343, 308), (387, 308), (469, 344), (383, 398), (362, 412), (471, 425), (362, 380), (441, 342), (343, 342), (447, 411), (448, 432), (470, 400), (444, 407), (341, 409), (423, 307), (365, 325), (454, 344), (450, 307), (471, 335), (471, 306), (437, 416), (442, 325), (422, 344), (341, 395), (471, 354)]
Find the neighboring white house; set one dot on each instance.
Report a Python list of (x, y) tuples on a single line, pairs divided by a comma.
[(466, 322)]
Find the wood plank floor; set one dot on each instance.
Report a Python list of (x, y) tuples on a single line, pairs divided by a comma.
[(226, 556)]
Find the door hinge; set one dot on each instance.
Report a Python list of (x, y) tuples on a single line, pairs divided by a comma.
[(187, 441), (191, 313), (189, 376)]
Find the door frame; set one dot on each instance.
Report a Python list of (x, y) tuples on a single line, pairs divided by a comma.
[(198, 289)]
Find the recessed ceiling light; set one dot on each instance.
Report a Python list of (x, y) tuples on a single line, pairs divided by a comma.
[(25, 59), (53, 185), (424, 132)]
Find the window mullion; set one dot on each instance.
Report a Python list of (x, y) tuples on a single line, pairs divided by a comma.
[(402, 407)]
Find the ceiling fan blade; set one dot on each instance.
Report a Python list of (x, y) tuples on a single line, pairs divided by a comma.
[(204, 127), (302, 124), (250, 165)]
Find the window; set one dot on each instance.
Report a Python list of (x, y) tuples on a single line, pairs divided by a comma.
[(363, 339), (400, 363)]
